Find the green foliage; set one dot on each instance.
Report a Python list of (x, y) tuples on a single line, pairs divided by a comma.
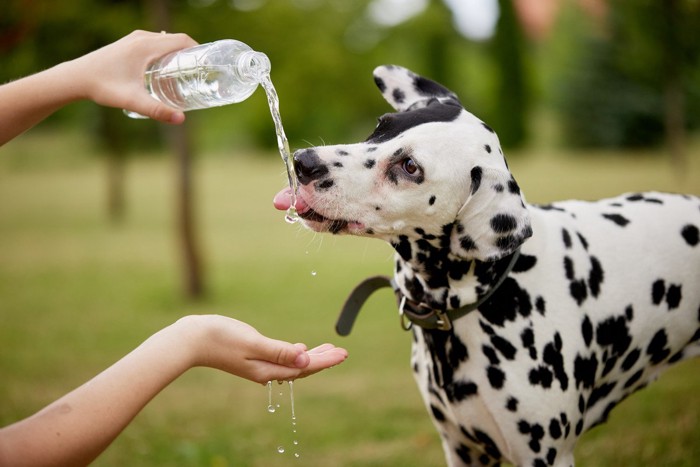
[(613, 96)]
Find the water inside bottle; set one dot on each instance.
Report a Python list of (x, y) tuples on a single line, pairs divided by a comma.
[(282, 144), (198, 87)]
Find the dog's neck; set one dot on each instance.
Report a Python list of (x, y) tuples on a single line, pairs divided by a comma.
[(428, 272)]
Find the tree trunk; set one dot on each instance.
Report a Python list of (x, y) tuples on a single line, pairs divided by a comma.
[(673, 93), (180, 143)]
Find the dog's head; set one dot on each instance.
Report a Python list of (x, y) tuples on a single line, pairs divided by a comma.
[(431, 170)]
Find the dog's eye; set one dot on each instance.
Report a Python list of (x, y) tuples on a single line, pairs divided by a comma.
[(409, 166)]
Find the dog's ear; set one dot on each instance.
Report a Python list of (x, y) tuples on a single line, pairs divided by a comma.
[(405, 90), (494, 221)]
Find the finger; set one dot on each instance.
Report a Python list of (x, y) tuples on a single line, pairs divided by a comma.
[(325, 360), (321, 348)]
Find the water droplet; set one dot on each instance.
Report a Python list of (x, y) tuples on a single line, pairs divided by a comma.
[(296, 442), (271, 408), (291, 217), (296, 454), (280, 449), (313, 273)]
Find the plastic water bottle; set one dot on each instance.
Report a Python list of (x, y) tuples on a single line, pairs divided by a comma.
[(207, 75)]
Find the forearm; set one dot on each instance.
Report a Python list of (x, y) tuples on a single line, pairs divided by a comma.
[(29, 100), (79, 426)]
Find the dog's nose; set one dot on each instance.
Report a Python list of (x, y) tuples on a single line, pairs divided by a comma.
[(308, 166)]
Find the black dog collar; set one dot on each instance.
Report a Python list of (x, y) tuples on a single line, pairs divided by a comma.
[(415, 312)]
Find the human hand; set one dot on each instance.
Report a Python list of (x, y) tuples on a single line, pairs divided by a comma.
[(235, 347), (113, 75)]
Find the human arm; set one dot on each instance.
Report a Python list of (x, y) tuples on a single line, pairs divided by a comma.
[(111, 76), (76, 428)]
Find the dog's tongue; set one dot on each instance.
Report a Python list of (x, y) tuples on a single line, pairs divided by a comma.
[(283, 200)]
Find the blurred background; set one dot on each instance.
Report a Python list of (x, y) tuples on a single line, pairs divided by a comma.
[(112, 228)]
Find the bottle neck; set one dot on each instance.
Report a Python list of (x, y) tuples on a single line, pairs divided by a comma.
[(253, 66)]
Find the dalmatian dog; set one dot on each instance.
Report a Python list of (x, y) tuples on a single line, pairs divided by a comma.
[(530, 323)]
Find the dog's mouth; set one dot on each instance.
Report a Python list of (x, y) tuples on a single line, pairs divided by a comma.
[(313, 219)]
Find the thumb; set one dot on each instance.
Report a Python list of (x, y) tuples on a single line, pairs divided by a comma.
[(290, 355)]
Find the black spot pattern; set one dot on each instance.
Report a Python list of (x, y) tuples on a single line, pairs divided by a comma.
[(691, 235), (476, 174), (369, 163), (673, 294), (657, 349), (617, 219)]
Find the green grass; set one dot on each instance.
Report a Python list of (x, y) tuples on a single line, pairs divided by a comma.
[(77, 293)]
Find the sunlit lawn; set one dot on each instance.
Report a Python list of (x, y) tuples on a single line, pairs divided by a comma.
[(77, 293)]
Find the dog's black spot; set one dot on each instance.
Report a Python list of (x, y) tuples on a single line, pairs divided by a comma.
[(634, 379), (524, 263), (583, 241), (513, 186), (461, 390), (555, 428), (490, 353), (489, 445), (398, 95), (498, 188), (371, 148), (512, 404), (658, 290), (540, 305), (536, 432), (341, 152), (657, 349), (476, 178), (403, 247), (487, 127), (673, 296), (587, 331), (377, 208), (503, 223), (599, 393), (527, 337), (428, 87), (541, 376), (338, 164), (464, 454), (369, 163), (566, 238), (578, 291), (569, 268), (432, 199), (380, 84), (585, 370), (509, 301), (631, 359), (504, 347), (392, 125), (691, 235), (488, 148), (437, 413), (617, 218), (595, 277), (612, 335), (467, 243)]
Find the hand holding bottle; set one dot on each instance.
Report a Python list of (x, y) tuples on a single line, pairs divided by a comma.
[(118, 69), (110, 76)]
